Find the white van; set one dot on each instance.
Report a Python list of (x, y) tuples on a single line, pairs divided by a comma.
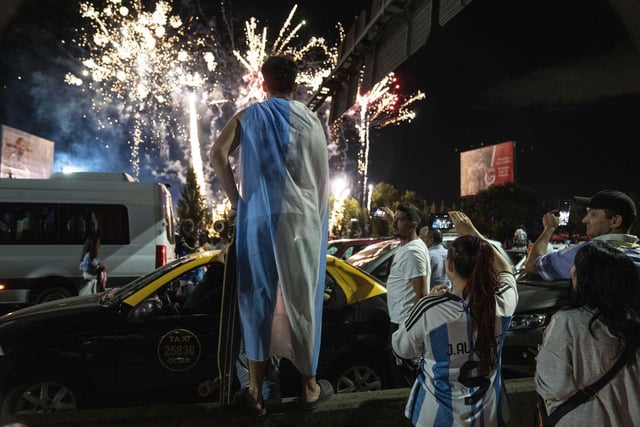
[(44, 223)]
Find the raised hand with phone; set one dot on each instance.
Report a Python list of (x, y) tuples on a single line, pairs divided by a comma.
[(609, 216)]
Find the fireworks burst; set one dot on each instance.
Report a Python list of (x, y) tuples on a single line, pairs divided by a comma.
[(316, 58), (380, 107), (139, 64), (148, 69)]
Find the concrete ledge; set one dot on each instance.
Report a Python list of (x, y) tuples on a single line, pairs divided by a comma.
[(367, 409)]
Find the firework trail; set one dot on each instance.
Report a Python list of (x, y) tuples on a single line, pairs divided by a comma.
[(380, 107), (139, 64), (341, 192), (148, 69), (315, 58)]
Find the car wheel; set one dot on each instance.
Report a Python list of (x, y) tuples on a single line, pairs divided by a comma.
[(357, 374), (52, 294), (44, 393)]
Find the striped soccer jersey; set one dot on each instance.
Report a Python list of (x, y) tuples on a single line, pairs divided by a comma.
[(449, 389)]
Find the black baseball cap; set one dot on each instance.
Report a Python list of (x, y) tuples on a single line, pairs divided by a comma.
[(616, 201)]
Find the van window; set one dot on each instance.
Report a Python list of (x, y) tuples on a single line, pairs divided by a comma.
[(62, 223)]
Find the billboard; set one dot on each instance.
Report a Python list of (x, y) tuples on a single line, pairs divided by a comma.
[(24, 155), (486, 166)]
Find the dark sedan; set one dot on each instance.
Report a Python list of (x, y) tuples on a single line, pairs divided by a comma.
[(155, 340)]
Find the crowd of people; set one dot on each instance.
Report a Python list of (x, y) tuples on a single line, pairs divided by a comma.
[(449, 308)]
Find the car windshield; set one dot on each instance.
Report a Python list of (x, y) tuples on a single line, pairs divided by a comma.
[(371, 253), (121, 293)]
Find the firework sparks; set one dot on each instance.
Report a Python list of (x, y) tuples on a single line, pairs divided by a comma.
[(144, 65), (316, 57), (137, 62), (340, 191), (380, 107), (196, 158)]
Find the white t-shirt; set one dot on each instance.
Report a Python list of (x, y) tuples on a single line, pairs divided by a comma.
[(411, 260)]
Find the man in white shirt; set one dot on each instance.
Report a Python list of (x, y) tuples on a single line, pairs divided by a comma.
[(408, 281)]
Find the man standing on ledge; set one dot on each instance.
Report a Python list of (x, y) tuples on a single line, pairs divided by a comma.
[(281, 208)]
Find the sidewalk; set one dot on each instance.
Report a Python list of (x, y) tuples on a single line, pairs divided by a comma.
[(367, 409)]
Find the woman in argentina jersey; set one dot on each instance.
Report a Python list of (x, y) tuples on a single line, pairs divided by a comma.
[(459, 336)]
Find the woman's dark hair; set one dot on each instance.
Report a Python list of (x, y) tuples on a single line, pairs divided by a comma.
[(187, 226), (473, 259), (607, 282), (91, 246), (279, 73)]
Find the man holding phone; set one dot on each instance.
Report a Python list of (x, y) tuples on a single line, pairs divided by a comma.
[(610, 216)]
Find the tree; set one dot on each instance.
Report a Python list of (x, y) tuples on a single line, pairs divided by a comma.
[(353, 219), (384, 194), (498, 210), (193, 204)]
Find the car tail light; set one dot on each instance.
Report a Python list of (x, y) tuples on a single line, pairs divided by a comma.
[(161, 255)]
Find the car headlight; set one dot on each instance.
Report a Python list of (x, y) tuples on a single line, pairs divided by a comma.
[(527, 321)]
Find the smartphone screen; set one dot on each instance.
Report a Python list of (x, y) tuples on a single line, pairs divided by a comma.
[(563, 211), (441, 221)]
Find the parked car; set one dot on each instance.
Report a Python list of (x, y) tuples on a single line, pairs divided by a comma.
[(344, 248), (376, 258), (155, 340), (537, 301)]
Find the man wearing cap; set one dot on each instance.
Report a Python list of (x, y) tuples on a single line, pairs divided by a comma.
[(610, 215)]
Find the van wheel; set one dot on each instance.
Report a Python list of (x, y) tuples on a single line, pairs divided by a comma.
[(52, 294), (44, 393)]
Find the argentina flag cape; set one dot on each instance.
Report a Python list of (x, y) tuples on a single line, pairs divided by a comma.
[(282, 231)]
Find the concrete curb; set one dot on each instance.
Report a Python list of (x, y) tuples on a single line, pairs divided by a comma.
[(367, 409)]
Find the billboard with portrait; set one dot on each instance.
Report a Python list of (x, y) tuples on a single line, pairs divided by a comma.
[(482, 167), (24, 155)]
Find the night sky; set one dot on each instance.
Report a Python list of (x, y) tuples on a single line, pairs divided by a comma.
[(561, 78)]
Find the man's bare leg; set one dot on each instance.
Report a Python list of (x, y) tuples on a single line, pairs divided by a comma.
[(256, 378), (310, 388)]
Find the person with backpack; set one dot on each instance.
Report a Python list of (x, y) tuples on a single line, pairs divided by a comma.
[(587, 368)]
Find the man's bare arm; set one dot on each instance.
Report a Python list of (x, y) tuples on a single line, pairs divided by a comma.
[(420, 287), (464, 226), (222, 148), (539, 248)]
